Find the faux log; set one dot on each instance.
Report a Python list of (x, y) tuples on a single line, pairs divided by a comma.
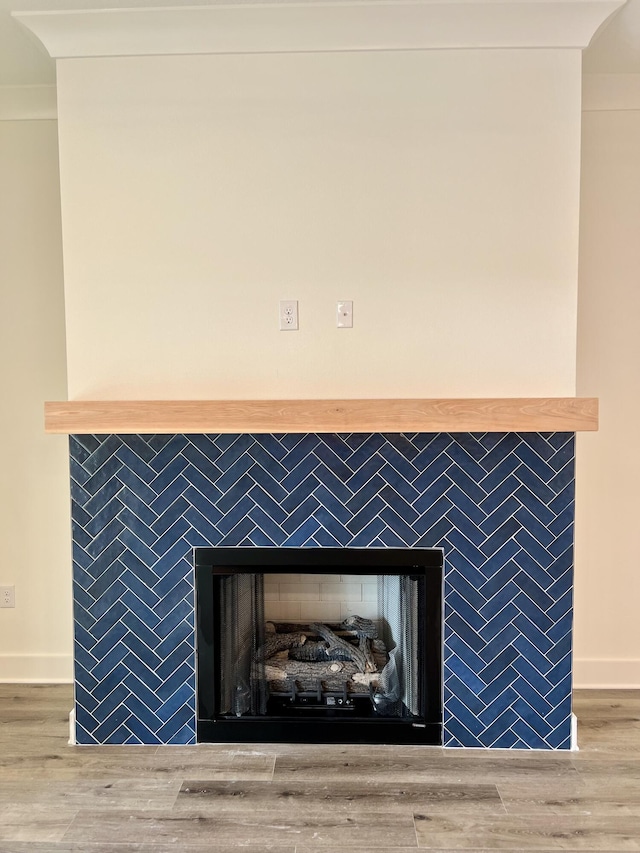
[(360, 626), (318, 652), (336, 642), (277, 643), (364, 644)]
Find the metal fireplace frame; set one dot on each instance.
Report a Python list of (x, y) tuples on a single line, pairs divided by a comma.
[(328, 726)]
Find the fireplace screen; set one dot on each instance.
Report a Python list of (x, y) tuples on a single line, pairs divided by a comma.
[(326, 669)]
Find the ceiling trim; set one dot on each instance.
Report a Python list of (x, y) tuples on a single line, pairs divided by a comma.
[(319, 26)]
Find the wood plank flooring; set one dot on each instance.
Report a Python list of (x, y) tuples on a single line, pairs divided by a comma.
[(314, 799)]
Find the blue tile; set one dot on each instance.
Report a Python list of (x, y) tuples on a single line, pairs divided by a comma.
[(498, 665), (528, 735), (144, 734), (465, 461), (457, 734), (351, 474), (456, 624), (468, 527), (179, 613), (492, 711), (498, 642), (78, 451), (137, 546), (179, 634), (498, 728), (172, 535), (300, 536), (563, 499), (105, 539), (106, 608), (181, 653), (174, 686), (207, 470), (397, 524), (467, 656), (107, 447), (469, 593), (137, 507), (211, 533), (271, 445), (532, 632), (432, 515), (535, 485), (159, 461), (403, 466), (102, 476), (368, 534), (144, 574), (533, 698), (236, 451), (397, 489), (501, 536), (532, 591), (498, 516), (302, 447), (333, 462), (173, 726), (473, 554), (526, 648), (134, 463), (497, 622), (300, 494), (330, 503)]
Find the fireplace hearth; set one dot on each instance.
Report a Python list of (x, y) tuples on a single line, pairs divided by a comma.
[(354, 679)]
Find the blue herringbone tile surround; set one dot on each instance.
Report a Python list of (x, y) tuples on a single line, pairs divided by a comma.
[(501, 506)]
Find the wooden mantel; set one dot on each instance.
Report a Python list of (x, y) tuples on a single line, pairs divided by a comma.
[(493, 414)]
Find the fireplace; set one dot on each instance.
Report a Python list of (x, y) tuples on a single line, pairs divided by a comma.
[(334, 676), (500, 506)]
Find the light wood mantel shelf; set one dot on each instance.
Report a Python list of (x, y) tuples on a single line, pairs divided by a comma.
[(494, 414)]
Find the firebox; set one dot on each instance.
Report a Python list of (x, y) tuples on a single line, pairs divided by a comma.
[(346, 668)]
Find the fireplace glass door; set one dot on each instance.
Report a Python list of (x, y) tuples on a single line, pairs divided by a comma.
[(357, 658)]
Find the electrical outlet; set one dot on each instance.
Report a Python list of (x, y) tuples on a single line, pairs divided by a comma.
[(288, 315), (7, 596)]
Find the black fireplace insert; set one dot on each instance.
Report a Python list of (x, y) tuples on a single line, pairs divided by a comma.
[(351, 677)]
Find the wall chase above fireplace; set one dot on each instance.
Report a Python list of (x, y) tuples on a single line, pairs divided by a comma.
[(499, 504)]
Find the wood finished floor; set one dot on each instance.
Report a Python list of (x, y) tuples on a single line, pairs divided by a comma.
[(294, 799)]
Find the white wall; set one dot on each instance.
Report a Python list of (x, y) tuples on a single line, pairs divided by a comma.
[(438, 190), (607, 592), (35, 637)]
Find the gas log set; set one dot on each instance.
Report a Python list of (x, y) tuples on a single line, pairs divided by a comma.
[(318, 660)]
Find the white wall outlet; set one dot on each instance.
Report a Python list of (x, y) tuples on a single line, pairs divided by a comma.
[(344, 314), (288, 315), (7, 596)]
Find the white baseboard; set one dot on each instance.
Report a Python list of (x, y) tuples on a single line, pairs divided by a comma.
[(606, 673), (36, 669)]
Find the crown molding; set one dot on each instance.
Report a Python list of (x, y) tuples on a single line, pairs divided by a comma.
[(319, 26), (28, 103)]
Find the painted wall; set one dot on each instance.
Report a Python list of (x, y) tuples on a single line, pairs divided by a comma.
[(438, 190), (607, 639), (32, 343), (35, 637)]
